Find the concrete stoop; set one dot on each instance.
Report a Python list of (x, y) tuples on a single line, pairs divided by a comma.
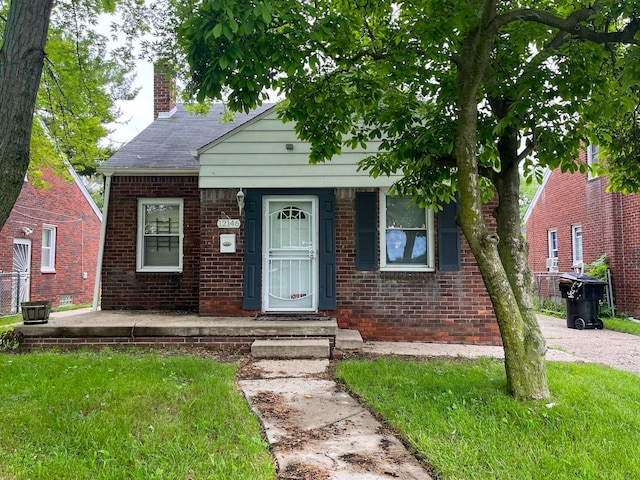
[(291, 348), (275, 336), (349, 340), (306, 347)]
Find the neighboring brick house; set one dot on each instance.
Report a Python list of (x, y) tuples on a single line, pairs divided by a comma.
[(50, 241), (574, 220), (232, 220)]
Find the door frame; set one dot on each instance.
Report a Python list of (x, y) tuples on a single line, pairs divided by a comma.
[(312, 251), (25, 293)]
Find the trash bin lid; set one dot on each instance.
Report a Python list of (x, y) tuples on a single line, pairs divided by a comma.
[(582, 278)]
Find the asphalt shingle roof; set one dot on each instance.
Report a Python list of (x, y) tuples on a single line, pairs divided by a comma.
[(168, 142)]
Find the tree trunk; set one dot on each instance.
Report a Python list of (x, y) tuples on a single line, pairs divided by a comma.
[(21, 61), (501, 260)]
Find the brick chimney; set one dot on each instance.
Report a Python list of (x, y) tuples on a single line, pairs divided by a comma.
[(164, 89)]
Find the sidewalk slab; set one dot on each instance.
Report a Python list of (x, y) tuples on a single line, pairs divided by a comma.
[(311, 423)]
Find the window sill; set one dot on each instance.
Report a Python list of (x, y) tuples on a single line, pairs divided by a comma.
[(407, 269), (158, 270), (47, 271)]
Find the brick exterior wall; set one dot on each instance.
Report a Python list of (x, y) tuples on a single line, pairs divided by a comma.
[(63, 206), (123, 287), (437, 306), (626, 268), (610, 224), (221, 274)]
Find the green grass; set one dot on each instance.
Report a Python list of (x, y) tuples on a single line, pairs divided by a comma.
[(622, 325), (135, 416), (11, 319), (461, 421)]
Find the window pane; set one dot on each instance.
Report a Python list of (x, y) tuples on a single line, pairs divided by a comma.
[(406, 246), (161, 251), (46, 238), (161, 219), (401, 213), (577, 244)]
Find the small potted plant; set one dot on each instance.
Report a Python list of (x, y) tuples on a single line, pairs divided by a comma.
[(35, 312)]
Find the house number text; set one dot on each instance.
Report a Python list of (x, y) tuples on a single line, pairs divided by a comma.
[(228, 223)]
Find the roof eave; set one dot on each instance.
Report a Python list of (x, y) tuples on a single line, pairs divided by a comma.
[(150, 172)]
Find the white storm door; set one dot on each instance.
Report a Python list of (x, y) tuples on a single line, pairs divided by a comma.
[(22, 266), (290, 254)]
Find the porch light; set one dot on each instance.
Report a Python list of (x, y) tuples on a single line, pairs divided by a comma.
[(240, 200)]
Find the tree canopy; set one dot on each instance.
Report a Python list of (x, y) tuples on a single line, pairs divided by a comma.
[(463, 94), (557, 72)]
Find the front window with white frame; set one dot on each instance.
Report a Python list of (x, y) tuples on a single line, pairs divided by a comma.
[(576, 240), (48, 248), (553, 243), (407, 242), (160, 236)]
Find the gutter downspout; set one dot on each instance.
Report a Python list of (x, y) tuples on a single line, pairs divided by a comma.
[(103, 233)]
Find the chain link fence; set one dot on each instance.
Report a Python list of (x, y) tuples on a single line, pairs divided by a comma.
[(10, 293), (547, 291)]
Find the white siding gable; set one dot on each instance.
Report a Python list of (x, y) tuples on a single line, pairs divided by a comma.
[(255, 155)]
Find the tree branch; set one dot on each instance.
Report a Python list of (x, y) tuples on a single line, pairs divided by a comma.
[(572, 25), (529, 148)]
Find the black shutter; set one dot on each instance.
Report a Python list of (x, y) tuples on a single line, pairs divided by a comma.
[(327, 251), (448, 237), (366, 231), (252, 252)]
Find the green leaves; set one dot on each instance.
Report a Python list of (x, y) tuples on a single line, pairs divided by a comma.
[(389, 71)]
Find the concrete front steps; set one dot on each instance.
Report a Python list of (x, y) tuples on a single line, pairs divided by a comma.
[(304, 338), (306, 347)]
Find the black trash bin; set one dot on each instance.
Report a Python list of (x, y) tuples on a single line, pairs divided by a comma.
[(583, 295)]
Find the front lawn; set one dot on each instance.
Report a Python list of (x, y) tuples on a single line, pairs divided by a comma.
[(459, 418), (136, 416)]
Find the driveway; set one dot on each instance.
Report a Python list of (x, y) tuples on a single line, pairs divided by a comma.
[(615, 349)]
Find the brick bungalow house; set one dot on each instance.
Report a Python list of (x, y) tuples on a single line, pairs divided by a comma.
[(573, 220), (49, 244), (230, 219)]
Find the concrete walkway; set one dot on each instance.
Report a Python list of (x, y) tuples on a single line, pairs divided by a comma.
[(316, 430)]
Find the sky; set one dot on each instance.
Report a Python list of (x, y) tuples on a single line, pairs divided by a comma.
[(137, 114)]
